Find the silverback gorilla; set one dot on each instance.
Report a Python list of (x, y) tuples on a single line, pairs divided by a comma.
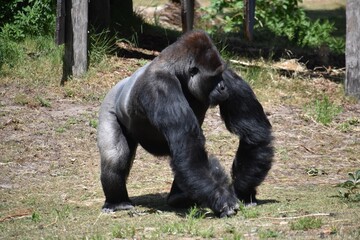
[(162, 107)]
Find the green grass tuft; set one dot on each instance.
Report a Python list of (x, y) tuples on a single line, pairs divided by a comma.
[(306, 223), (323, 110)]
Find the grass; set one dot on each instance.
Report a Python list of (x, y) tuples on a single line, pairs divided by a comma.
[(58, 219), (306, 223), (323, 110)]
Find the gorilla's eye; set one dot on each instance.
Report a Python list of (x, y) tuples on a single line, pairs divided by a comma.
[(193, 71)]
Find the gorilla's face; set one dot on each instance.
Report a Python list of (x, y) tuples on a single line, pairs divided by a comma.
[(204, 74)]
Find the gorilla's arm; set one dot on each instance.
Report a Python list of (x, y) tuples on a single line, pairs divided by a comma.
[(168, 110), (245, 117)]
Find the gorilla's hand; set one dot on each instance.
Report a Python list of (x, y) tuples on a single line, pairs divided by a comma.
[(218, 94), (226, 205)]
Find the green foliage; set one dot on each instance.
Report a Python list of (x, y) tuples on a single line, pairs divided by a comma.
[(283, 18), (8, 10), (124, 232), (190, 225), (20, 19), (306, 223), (249, 212), (266, 234), (43, 102), (351, 188), (347, 125), (60, 130), (323, 110), (93, 123), (63, 212), (35, 217), (10, 52), (101, 44), (234, 231), (27, 17)]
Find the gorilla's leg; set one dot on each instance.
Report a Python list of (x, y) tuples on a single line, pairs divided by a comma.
[(117, 153), (249, 169), (179, 199), (245, 117)]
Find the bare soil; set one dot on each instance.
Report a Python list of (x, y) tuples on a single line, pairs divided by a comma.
[(49, 164)]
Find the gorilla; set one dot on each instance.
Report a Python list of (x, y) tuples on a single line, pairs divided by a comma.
[(162, 107)]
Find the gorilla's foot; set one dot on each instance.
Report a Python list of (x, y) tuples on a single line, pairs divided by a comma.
[(251, 204), (249, 199), (112, 207)]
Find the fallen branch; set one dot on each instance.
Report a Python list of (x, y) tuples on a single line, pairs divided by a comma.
[(297, 217), (292, 66), (19, 215)]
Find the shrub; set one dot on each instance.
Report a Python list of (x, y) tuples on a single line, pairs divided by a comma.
[(283, 18), (20, 19), (27, 17), (350, 189)]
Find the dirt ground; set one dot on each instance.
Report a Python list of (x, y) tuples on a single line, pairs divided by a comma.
[(50, 188)]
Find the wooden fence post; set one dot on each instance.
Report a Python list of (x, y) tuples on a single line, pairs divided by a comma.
[(249, 18), (352, 81), (75, 36)]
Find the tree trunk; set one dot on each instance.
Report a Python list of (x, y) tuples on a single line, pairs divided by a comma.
[(352, 81)]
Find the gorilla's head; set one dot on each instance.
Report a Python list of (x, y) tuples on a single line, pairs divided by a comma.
[(198, 64)]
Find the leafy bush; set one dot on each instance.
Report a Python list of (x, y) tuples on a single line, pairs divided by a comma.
[(351, 188), (20, 19), (281, 17), (9, 52), (27, 17)]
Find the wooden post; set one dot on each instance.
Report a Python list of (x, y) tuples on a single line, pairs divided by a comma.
[(352, 81), (76, 41), (60, 22), (79, 20), (249, 18), (187, 14)]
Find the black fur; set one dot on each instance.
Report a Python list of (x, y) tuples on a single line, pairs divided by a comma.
[(162, 107), (247, 120)]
